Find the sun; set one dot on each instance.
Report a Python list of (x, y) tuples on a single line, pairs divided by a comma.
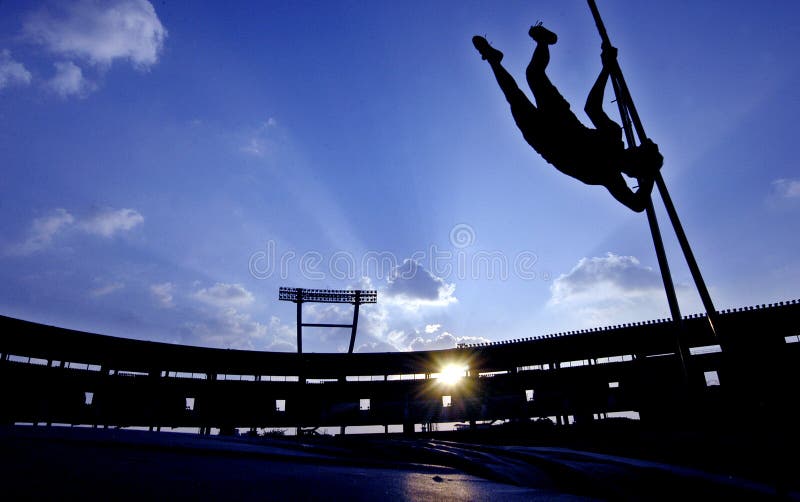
[(452, 373)]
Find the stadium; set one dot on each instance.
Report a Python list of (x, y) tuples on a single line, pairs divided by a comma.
[(55, 375), (56, 379)]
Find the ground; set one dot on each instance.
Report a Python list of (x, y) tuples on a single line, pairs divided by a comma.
[(84, 463)]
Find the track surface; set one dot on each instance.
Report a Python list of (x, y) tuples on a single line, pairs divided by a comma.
[(76, 463)]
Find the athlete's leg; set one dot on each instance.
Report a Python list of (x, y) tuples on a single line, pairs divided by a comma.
[(539, 62), (547, 96), (524, 112), (551, 103), (493, 56)]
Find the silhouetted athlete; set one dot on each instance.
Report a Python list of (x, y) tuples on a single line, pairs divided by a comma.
[(594, 156)]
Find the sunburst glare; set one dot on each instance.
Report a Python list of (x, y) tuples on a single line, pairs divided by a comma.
[(451, 374)]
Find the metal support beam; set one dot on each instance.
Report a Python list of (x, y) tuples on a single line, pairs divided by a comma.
[(300, 322), (300, 295), (355, 324)]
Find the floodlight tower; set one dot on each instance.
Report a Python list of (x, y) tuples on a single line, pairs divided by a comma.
[(300, 296)]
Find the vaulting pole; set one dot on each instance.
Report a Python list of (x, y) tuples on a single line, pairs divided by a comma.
[(629, 116), (625, 103)]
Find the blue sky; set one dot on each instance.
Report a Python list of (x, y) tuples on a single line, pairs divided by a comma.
[(167, 166)]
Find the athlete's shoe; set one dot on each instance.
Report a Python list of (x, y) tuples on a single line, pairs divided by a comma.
[(542, 35), (488, 52)]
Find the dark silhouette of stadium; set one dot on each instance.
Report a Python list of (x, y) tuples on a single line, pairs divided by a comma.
[(54, 375)]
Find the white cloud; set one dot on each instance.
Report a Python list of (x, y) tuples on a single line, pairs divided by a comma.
[(607, 289), (786, 188), (107, 289), (163, 294), (231, 329), (69, 80), (105, 223), (328, 312), (42, 232), (223, 324), (111, 221), (393, 324), (373, 325), (284, 338), (443, 341), (393, 341), (412, 286), (376, 346), (12, 72), (225, 295), (100, 32), (602, 277)]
